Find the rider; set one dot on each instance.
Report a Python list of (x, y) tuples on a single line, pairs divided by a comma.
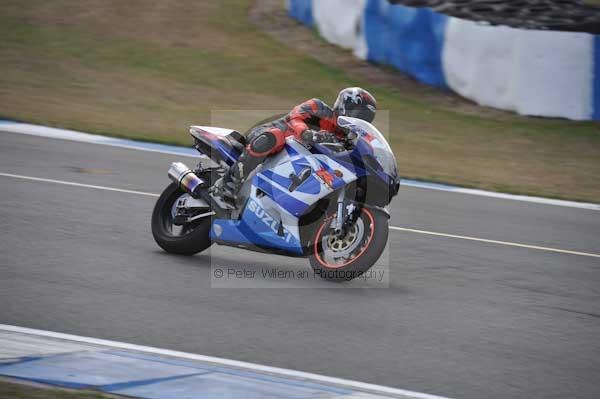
[(311, 122)]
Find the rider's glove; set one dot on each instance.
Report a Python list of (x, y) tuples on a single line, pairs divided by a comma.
[(312, 137), (326, 137)]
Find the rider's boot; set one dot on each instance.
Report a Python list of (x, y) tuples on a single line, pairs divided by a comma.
[(227, 188), (261, 145)]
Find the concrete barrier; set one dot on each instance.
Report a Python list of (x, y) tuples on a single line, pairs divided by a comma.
[(532, 72), (349, 34)]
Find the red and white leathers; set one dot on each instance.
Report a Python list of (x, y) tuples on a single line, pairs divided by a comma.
[(269, 139)]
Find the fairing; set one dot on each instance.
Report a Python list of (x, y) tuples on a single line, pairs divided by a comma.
[(380, 148), (218, 143)]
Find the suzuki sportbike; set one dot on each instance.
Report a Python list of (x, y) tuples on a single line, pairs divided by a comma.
[(326, 202)]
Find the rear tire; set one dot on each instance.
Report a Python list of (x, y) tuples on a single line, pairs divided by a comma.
[(369, 234), (194, 238)]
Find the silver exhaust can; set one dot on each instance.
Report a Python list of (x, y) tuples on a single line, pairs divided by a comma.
[(186, 179)]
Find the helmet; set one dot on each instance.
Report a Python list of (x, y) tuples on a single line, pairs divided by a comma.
[(356, 103)]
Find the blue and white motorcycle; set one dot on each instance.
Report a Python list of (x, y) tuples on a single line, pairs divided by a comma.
[(326, 202)]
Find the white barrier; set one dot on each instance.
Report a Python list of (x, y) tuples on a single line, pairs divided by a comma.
[(531, 72), (341, 22)]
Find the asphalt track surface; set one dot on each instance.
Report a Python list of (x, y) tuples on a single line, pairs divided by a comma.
[(463, 319)]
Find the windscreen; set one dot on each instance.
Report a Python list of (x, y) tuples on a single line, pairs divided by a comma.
[(381, 148)]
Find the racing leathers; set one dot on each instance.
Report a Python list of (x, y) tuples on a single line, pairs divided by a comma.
[(309, 122)]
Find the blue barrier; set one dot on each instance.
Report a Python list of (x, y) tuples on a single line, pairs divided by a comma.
[(410, 39), (596, 83), (301, 10)]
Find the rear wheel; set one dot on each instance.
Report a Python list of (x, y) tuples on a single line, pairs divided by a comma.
[(187, 239), (344, 256)]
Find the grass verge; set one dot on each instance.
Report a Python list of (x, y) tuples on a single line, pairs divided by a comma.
[(11, 390), (147, 71)]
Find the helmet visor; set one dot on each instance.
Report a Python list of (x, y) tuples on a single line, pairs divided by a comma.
[(363, 113)]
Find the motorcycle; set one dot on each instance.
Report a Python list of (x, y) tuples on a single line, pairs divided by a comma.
[(325, 201)]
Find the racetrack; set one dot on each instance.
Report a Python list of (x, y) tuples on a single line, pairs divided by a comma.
[(462, 318)]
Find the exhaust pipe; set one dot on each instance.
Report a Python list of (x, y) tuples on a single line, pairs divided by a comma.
[(186, 179)]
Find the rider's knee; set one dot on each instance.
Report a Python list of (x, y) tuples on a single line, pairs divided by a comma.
[(266, 143)]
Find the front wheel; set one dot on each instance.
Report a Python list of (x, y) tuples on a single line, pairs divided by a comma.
[(342, 257), (188, 239)]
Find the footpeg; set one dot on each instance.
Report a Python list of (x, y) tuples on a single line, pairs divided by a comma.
[(180, 220)]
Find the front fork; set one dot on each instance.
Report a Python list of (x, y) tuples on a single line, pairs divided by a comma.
[(345, 212)]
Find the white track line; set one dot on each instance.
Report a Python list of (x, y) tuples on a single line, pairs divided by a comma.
[(508, 243), (70, 183), (492, 194), (71, 135), (405, 229), (225, 362)]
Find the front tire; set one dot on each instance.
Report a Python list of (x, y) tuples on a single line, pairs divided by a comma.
[(187, 240), (337, 258)]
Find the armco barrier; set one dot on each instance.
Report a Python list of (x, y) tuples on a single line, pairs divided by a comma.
[(532, 72)]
